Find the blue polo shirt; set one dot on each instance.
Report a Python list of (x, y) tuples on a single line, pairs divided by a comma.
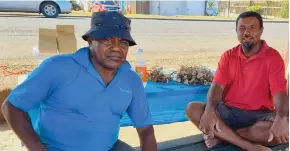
[(78, 112)]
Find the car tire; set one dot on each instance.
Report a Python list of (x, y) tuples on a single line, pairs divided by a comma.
[(50, 9), (77, 8)]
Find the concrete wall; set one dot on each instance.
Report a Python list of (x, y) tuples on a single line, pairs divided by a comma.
[(154, 7), (196, 8), (169, 8), (142, 7)]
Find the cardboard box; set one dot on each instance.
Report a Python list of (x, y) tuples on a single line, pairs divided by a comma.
[(47, 41), (66, 40), (55, 41)]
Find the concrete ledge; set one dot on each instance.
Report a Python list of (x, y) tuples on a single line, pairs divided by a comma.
[(196, 143), (180, 144)]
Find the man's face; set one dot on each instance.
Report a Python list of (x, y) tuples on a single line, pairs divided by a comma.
[(249, 32), (109, 53)]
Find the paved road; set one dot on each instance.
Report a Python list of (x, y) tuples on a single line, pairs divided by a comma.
[(18, 34)]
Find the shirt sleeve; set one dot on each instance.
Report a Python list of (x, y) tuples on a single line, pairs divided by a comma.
[(277, 76), (35, 89), (221, 74), (138, 110)]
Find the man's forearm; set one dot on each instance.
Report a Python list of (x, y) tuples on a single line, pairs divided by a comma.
[(148, 143), (147, 139), (281, 104), (19, 121), (214, 97)]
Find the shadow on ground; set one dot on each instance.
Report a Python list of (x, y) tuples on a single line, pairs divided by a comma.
[(4, 127), (3, 95), (196, 143), (189, 143)]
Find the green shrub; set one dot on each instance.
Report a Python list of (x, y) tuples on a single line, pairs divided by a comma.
[(256, 8), (284, 11)]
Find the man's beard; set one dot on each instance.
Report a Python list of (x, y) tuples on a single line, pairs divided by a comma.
[(247, 46)]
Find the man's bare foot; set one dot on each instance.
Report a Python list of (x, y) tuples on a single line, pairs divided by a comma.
[(257, 147), (211, 141)]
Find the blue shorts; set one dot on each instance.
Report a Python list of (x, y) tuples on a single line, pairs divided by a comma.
[(238, 118)]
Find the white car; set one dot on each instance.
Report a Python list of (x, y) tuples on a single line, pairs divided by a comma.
[(49, 8)]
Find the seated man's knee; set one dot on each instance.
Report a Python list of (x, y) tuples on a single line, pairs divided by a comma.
[(258, 132), (263, 125), (194, 110), (244, 132), (260, 127), (257, 128)]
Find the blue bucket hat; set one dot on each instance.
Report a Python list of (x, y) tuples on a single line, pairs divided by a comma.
[(107, 24)]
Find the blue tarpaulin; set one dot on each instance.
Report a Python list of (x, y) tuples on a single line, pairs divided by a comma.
[(168, 101)]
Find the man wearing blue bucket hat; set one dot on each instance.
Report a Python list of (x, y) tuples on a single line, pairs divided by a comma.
[(82, 96)]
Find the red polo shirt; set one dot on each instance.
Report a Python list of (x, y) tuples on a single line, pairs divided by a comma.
[(251, 83)]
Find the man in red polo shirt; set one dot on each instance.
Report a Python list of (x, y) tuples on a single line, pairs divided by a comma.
[(250, 81)]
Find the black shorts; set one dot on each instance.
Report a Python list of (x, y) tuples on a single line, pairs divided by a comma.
[(237, 118)]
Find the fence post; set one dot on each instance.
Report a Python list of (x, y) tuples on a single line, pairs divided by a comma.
[(229, 5)]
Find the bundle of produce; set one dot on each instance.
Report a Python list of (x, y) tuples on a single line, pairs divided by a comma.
[(157, 74), (194, 75)]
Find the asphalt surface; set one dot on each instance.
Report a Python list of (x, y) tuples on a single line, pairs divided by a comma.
[(19, 33)]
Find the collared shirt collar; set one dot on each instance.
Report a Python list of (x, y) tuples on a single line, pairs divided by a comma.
[(82, 56)]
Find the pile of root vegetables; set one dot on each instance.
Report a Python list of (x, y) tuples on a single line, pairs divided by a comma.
[(188, 75)]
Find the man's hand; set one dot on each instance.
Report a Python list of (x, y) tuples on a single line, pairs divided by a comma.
[(209, 122), (279, 130)]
